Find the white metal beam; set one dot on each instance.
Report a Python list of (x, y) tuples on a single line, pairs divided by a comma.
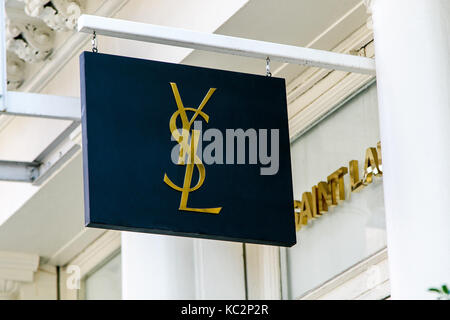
[(57, 154), (42, 106), (68, 108), (224, 44), (47, 163), (61, 150), (18, 171)]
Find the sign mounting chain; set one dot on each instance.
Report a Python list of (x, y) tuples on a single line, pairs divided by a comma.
[(94, 42)]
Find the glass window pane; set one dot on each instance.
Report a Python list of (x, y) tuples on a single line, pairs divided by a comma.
[(355, 228), (106, 282)]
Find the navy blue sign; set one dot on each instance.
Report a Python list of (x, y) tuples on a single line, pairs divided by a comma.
[(187, 151)]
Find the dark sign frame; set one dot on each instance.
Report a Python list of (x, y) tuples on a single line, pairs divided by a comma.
[(127, 105)]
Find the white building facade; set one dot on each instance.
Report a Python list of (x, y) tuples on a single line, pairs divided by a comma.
[(387, 239)]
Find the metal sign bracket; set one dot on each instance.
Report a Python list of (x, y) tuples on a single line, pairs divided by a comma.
[(68, 108)]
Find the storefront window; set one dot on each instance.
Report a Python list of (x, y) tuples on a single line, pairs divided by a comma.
[(354, 229), (106, 282)]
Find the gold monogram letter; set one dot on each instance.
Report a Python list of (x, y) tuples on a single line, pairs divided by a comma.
[(188, 149)]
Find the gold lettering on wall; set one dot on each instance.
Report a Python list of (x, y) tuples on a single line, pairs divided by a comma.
[(356, 184), (306, 208), (297, 209), (336, 182), (379, 154), (371, 164), (315, 204), (328, 194), (323, 196)]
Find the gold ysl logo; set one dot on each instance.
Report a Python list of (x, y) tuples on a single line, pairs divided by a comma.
[(188, 149)]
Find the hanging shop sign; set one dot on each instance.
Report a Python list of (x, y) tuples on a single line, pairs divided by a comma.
[(330, 193), (187, 151)]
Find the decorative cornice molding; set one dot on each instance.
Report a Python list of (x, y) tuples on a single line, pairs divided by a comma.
[(78, 244), (316, 92), (349, 284), (16, 71), (60, 15), (30, 39), (368, 4), (31, 32), (64, 53), (102, 248)]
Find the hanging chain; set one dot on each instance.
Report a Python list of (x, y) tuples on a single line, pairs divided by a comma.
[(94, 42), (268, 73)]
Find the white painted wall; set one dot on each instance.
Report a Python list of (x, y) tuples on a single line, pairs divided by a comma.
[(412, 49), (353, 230), (43, 286)]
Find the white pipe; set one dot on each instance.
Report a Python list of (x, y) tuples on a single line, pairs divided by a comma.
[(224, 44)]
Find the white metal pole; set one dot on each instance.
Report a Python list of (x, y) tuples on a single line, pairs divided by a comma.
[(3, 85), (224, 44)]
